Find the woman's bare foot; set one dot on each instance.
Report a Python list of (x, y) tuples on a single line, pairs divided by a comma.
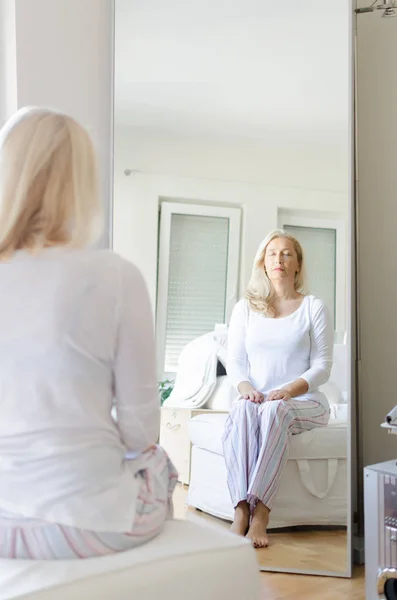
[(241, 519), (257, 532)]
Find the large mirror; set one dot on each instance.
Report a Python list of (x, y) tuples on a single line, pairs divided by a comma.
[(232, 121)]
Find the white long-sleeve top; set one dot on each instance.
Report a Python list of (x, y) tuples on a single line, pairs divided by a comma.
[(271, 353), (76, 334)]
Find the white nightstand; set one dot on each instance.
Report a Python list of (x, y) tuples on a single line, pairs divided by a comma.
[(174, 437)]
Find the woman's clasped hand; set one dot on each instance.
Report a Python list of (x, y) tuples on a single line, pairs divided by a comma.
[(248, 392)]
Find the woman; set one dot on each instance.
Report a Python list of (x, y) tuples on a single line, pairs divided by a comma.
[(76, 339), (280, 347)]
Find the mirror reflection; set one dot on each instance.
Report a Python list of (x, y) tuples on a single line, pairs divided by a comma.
[(231, 196)]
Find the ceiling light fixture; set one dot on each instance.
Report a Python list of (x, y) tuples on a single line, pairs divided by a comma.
[(386, 5)]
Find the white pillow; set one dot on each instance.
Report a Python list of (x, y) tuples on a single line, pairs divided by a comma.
[(339, 412), (223, 396), (332, 392)]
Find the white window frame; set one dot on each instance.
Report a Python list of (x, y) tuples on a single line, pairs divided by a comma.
[(296, 219), (167, 210)]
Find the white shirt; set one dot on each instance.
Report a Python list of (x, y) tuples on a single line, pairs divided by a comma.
[(76, 333), (271, 353)]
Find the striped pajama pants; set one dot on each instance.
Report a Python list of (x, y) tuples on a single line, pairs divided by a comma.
[(22, 538), (256, 444)]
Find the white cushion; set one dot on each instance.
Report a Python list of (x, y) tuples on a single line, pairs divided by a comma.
[(333, 392), (340, 367), (206, 430), (340, 412), (223, 396), (186, 561)]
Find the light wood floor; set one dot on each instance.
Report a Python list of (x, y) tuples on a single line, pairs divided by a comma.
[(307, 550), (279, 586), (322, 551)]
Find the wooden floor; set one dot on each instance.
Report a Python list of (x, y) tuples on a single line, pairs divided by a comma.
[(307, 550), (279, 586)]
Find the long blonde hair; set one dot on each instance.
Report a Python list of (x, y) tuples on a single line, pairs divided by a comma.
[(48, 183), (260, 291)]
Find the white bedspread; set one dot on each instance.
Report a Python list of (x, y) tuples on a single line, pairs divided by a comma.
[(196, 377), (197, 385)]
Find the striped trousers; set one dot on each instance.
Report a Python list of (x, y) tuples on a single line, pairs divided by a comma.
[(256, 444), (33, 539)]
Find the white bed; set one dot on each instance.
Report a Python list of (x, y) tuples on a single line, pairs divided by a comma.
[(314, 481), (313, 489)]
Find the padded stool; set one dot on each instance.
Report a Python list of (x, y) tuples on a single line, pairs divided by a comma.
[(186, 561)]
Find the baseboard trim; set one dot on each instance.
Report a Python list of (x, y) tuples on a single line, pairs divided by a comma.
[(358, 550)]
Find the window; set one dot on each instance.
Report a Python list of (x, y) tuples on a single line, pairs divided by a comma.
[(197, 274), (324, 244)]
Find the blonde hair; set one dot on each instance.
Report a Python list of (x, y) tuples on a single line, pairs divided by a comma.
[(48, 183), (260, 291)]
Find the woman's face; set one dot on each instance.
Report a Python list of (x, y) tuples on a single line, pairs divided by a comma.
[(281, 261)]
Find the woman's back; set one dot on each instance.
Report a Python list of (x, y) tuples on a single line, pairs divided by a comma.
[(75, 330), (76, 336)]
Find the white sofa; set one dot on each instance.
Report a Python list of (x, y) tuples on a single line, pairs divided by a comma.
[(187, 561), (313, 489)]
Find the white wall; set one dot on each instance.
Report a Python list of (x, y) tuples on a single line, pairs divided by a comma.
[(63, 59), (377, 227), (312, 163), (243, 175)]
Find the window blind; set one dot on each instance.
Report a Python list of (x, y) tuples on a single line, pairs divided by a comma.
[(197, 280), (319, 246)]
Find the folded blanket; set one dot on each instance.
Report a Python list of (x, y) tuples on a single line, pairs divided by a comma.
[(197, 373)]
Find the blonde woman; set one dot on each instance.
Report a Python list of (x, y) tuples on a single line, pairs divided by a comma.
[(76, 338), (280, 349)]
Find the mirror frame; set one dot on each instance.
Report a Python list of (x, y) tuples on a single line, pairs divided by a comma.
[(353, 478)]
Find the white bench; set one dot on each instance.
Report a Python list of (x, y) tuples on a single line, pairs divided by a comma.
[(188, 561)]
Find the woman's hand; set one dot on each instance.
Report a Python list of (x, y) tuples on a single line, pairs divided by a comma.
[(279, 395), (292, 390), (248, 392)]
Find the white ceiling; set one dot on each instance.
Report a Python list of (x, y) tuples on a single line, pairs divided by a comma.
[(255, 69)]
